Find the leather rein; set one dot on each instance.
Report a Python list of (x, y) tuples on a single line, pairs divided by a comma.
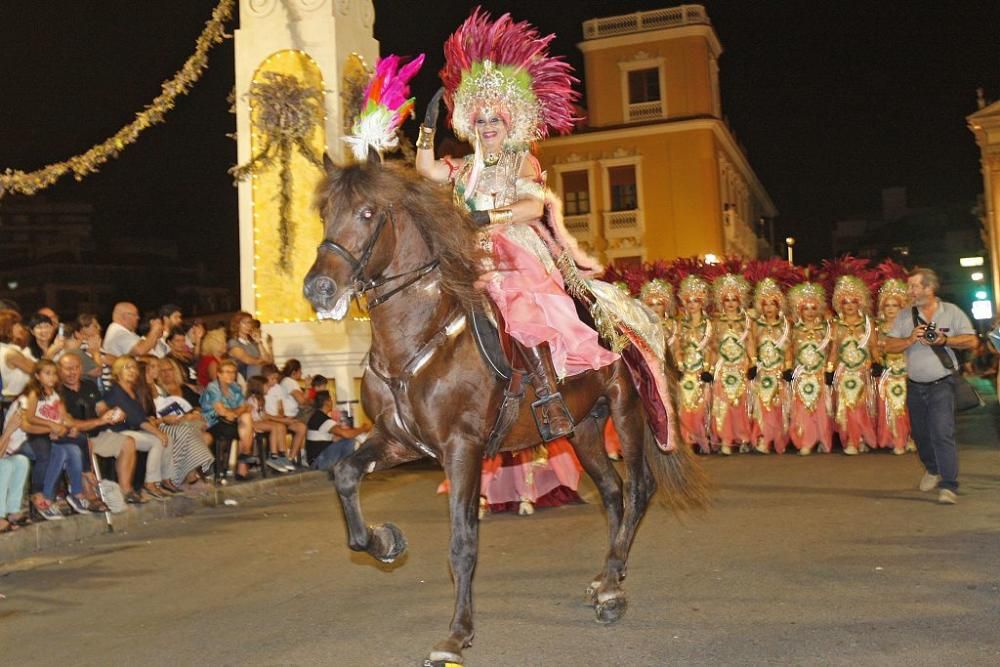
[(361, 284)]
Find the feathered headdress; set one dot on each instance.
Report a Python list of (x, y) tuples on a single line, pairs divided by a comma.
[(852, 287), (768, 289), (658, 290), (693, 287), (506, 67), (730, 284), (806, 293), (385, 107), (893, 277)]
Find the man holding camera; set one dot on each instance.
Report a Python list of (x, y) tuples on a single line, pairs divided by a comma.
[(929, 333)]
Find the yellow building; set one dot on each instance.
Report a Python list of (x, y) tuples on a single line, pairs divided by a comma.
[(657, 172), (985, 125)]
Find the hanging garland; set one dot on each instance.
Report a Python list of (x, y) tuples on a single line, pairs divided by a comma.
[(28, 183), (286, 113)]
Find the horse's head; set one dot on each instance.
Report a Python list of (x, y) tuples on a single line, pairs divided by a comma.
[(359, 236)]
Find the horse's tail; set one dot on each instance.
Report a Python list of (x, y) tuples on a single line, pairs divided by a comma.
[(679, 476)]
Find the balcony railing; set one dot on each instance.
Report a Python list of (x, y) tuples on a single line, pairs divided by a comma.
[(657, 19), (645, 111), (578, 226), (621, 224)]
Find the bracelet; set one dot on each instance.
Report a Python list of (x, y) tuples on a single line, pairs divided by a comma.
[(425, 140), (501, 216), (829, 367)]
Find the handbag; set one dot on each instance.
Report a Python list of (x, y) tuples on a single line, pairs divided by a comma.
[(966, 396)]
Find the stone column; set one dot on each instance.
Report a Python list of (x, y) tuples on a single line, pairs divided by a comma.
[(311, 40)]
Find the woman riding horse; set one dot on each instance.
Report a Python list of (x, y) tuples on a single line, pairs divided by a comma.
[(501, 101)]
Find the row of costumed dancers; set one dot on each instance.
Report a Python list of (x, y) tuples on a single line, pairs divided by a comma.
[(767, 361)]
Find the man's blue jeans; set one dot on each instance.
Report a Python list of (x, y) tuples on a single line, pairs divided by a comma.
[(932, 421)]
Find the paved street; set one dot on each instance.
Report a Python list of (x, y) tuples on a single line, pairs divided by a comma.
[(826, 560)]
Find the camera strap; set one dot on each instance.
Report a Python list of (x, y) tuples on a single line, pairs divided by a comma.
[(942, 354)]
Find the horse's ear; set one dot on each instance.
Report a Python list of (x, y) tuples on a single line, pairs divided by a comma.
[(328, 165), (374, 159)]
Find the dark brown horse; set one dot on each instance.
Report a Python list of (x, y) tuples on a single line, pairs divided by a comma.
[(402, 242)]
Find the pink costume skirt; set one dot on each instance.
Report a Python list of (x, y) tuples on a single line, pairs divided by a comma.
[(809, 427), (547, 477), (770, 428), (730, 423), (893, 429), (857, 428), (536, 309), (693, 427)]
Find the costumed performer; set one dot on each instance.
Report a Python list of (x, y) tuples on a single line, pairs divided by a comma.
[(810, 419), (735, 365), (855, 337), (893, 428), (769, 393), (692, 349), (505, 93)]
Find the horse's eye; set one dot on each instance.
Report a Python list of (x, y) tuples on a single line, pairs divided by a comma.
[(366, 213)]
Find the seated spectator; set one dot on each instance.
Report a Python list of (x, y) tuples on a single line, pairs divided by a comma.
[(328, 440), (125, 395), (16, 360), (171, 380), (83, 338), (43, 414), (282, 407), (317, 384), (291, 377), (44, 341), (213, 351), (51, 314), (246, 346), (257, 387), (228, 417), (189, 443), (170, 317), (94, 417), (13, 475), (121, 338), (180, 354)]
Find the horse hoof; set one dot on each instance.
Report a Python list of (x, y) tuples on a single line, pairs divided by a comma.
[(387, 542), (611, 610), (443, 658)]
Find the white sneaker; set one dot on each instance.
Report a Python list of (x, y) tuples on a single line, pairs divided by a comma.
[(526, 508), (726, 450), (929, 482), (805, 451), (899, 452), (484, 507), (851, 450), (947, 497)]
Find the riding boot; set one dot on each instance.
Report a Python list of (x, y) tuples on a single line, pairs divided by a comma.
[(550, 412)]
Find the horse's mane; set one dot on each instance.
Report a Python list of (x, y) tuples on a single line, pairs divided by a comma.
[(449, 232)]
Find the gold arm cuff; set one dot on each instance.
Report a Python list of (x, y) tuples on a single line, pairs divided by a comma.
[(500, 216), (829, 367), (425, 140)]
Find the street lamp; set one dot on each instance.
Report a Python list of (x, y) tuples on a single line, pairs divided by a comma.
[(790, 244)]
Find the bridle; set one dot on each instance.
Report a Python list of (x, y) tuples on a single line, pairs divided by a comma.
[(361, 284)]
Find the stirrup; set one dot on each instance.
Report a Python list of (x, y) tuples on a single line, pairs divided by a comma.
[(544, 424)]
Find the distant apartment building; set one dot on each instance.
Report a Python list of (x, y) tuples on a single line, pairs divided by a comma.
[(656, 171), (49, 257)]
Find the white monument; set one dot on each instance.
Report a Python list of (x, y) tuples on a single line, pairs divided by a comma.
[(317, 42)]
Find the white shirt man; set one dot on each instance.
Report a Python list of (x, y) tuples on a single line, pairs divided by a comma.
[(121, 339)]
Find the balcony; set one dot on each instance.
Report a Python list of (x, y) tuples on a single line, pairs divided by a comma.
[(657, 19), (645, 111), (623, 224), (579, 226)]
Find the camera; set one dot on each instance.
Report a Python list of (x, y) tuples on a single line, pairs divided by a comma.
[(930, 333)]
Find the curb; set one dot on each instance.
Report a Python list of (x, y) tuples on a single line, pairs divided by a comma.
[(46, 535)]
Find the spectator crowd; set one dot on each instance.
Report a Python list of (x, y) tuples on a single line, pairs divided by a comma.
[(149, 409)]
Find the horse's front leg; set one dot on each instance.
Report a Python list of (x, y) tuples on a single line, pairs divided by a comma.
[(464, 467), (384, 541)]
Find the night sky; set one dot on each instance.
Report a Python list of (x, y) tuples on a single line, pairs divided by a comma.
[(832, 101)]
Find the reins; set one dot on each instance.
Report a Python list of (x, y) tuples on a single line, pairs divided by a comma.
[(361, 284)]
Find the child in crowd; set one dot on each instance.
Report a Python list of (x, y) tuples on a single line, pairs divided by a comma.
[(13, 474), (257, 388), (280, 406)]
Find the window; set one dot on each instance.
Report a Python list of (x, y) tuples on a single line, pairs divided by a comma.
[(644, 85), (623, 188), (576, 193)]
